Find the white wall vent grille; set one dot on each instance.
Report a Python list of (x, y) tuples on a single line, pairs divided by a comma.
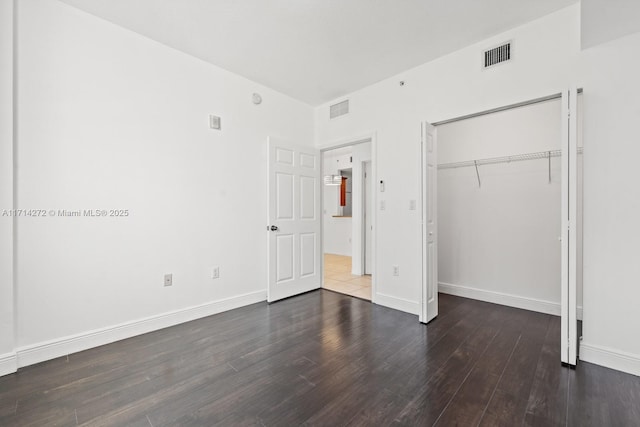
[(339, 109), (497, 55)]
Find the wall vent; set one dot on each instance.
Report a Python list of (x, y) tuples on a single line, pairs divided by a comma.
[(497, 55), (339, 109)]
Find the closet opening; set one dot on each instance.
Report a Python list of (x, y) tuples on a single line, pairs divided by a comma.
[(498, 214)]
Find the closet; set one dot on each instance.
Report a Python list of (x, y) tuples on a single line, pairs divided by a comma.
[(499, 204)]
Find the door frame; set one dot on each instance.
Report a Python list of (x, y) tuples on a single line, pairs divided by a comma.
[(367, 201), (349, 142)]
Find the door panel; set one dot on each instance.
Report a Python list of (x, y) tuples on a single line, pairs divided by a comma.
[(284, 156), (284, 194), (429, 300), (569, 268), (294, 220), (284, 256), (307, 254), (308, 206)]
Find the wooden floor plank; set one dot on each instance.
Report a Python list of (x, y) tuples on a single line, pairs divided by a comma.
[(467, 406), (548, 403), (511, 397)]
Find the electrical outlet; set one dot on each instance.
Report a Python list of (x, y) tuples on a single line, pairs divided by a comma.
[(383, 205), (396, 270), (168, 279), (215, 273), (412, 205)]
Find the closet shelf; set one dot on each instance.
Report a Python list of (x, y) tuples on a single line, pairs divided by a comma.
[(505, 159)]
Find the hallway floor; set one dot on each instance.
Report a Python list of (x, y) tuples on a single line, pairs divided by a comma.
[(338, 277)]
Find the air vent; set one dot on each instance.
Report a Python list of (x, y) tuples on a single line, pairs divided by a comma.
[(339, 109), (497, 55)]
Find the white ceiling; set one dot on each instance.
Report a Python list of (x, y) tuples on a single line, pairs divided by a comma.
[(318, 50)]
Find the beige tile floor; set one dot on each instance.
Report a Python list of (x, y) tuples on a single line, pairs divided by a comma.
[(338, 277)]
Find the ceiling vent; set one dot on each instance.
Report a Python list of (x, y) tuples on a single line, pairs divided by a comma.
[(497, 55), (339, 109)]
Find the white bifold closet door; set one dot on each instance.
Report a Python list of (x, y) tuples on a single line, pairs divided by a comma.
[(429, 300), (569, 229)]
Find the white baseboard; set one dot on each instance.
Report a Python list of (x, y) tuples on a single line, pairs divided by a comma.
[(532, 304), (610, 358), (8, 363), (71, 344), (396, 303)]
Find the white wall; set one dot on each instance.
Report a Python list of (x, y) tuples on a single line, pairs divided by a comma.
[(111, 120), (7, 360), (501, 239), (606, 20), (611, 204), (545, 60), (336, 230), (337, 233)]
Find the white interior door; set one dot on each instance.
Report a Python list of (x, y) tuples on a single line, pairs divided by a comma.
[(569, 269), (429, 305), (368, 207), (294, 220)]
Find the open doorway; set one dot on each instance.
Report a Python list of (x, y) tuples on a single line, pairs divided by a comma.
[(347, 219)]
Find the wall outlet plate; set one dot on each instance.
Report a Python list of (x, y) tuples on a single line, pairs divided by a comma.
[(215, 273), (396, 270), (168, 279), (214, 122)]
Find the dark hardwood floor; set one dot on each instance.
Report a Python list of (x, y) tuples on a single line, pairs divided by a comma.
[(328, 359)]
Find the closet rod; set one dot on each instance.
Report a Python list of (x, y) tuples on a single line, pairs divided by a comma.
[(505, 159)]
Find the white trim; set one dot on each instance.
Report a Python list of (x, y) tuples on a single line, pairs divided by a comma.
[(347, 142), (610, 358), (402, 304), (526, 303), (8, 363), (48, 350)]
